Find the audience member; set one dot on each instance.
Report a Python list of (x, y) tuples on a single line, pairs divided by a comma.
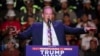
[(64, 9), (92, 51), (10, 49)]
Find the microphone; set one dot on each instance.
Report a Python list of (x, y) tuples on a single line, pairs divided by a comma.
[(49, 23)]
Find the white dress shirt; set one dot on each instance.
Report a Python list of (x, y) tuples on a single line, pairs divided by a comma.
[(45, 36)]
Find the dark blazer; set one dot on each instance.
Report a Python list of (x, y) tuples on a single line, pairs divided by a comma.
[(36, 32)]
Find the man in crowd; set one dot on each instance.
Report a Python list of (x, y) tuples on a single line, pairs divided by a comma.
[(93, 49), (65, 9), (10, 6), (88, 9)]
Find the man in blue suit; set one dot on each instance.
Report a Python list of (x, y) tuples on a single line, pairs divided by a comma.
[(39, 31)]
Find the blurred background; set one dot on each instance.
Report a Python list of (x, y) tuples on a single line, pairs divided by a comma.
[(17, 15)]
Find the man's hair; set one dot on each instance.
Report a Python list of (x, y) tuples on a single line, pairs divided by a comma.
[(86, 14), (66, 14), (93, 40), (48, 7)]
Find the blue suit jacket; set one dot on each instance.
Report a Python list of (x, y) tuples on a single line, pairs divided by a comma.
[(36, 31)]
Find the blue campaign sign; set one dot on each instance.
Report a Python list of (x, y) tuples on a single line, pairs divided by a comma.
[(51, 50)]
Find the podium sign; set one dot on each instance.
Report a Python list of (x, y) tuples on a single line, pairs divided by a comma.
[(51, 51)]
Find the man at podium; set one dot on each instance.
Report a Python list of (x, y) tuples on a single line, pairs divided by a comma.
[(50, 32)]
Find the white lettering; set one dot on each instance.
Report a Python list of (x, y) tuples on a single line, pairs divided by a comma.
[(52, 52)]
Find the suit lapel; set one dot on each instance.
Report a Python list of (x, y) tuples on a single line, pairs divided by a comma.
[(56, 30), (41, 33)]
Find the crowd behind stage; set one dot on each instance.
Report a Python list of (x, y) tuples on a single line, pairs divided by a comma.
[(13, 21)]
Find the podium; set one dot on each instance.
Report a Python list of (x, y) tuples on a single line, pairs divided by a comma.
[(51, 50)]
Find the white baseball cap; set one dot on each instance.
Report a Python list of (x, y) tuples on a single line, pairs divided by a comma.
[(63, 1), (86, 1), (47, 0), (9, 2), (11, 13)]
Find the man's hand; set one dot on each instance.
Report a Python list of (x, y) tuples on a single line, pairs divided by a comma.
[(90, 29)]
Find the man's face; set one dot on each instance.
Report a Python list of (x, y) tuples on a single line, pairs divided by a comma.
[(64, 5), (93, 45), (67, 20), (28, 4), (47, 14), (10, 18), (10, 6), (68, 37), (10, 45), (87, 5), (84, 18)]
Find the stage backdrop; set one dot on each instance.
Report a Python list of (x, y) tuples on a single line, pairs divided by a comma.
[(51, 50)]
